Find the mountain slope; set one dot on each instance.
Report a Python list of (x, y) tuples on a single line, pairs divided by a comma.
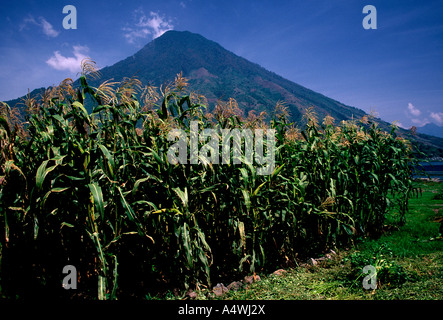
[(431, 129), (220, 74)]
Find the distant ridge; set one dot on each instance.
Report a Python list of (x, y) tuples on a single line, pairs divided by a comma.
[(431, 129)]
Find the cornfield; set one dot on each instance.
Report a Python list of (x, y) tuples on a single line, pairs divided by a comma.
[(95, 190)]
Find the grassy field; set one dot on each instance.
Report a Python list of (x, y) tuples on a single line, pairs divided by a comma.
[(409, 262)]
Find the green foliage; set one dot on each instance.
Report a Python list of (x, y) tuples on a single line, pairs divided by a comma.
[(412, 268), (96, 189), (388, 271), (438, 196)]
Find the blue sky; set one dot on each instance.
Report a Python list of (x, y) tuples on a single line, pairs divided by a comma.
[(395, 70)]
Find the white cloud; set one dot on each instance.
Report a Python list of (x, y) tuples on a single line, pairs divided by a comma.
[(420, 122), (414, 114), (413, 110), (153, 25), (133, 34), (26, 21), (400, 124), (438, 117), (73, 64), (157, 24), (419, 119), (46, 27)]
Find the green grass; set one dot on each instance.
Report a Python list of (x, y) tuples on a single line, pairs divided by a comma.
[(411, 257)]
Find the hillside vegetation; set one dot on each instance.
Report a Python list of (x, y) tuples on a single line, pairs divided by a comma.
[(96, 190), (218, 74)]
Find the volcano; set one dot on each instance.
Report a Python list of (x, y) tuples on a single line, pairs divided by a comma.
[(219, 74)]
